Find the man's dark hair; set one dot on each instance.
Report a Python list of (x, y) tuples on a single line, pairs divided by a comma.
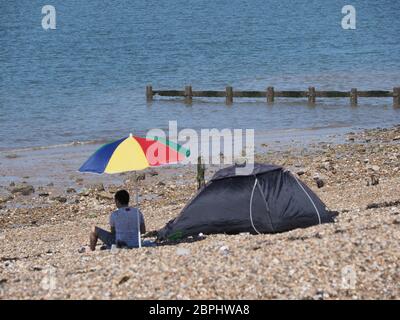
[(122, 196)]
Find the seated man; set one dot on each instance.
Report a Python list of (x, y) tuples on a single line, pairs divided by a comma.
[(125, 224)]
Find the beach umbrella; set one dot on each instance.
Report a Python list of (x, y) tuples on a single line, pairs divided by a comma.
[(133, 154)]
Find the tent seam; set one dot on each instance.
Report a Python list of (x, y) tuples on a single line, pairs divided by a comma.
[(309, 197), (266, 206)]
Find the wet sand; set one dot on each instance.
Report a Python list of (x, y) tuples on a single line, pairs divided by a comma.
[(44, 234)]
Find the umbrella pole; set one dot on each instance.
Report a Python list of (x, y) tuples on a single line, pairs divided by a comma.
[(136, 190), (137, 205)]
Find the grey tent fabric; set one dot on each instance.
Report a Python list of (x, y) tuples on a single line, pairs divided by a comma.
[(268, 200)]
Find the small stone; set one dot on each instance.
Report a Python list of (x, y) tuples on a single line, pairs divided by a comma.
[(97, 187), (320, 183), (140, 177), (84, 192), (123, 280), (82, 250), (153, 173), (6, 199), (160, 183), (373, 180), (24, 189), (60, 199), (224, 250), (300, 171), (11, 156), (104, 196), (375, 168), (44, 194), (71, 190)]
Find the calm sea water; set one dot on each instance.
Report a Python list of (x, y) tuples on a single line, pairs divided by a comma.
[(86, 79)]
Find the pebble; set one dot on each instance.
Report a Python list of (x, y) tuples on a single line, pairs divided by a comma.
[(71, 190), (24, 189), (60, 199), (224, 250), (182, 252)]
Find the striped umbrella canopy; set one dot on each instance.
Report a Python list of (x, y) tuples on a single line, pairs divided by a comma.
[(134, 153)]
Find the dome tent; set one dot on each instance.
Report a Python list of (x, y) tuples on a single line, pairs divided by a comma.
[(268, 200)]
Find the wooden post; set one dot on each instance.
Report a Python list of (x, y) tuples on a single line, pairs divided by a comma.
[(229, 95), (396, 97), (311, 96), (353, 97), (188, 94), (149, 93), (270, 95), (201, 168)]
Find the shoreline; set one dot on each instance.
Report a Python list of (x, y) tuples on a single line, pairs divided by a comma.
[(46, 232), (31, 165)]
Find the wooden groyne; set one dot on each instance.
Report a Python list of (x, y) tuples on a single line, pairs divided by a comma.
[(270, 94)]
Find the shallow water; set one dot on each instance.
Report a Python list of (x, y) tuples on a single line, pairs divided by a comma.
[(86, 80)]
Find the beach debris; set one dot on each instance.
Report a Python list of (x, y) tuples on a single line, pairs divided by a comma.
[(44, 194), (24, 189)]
